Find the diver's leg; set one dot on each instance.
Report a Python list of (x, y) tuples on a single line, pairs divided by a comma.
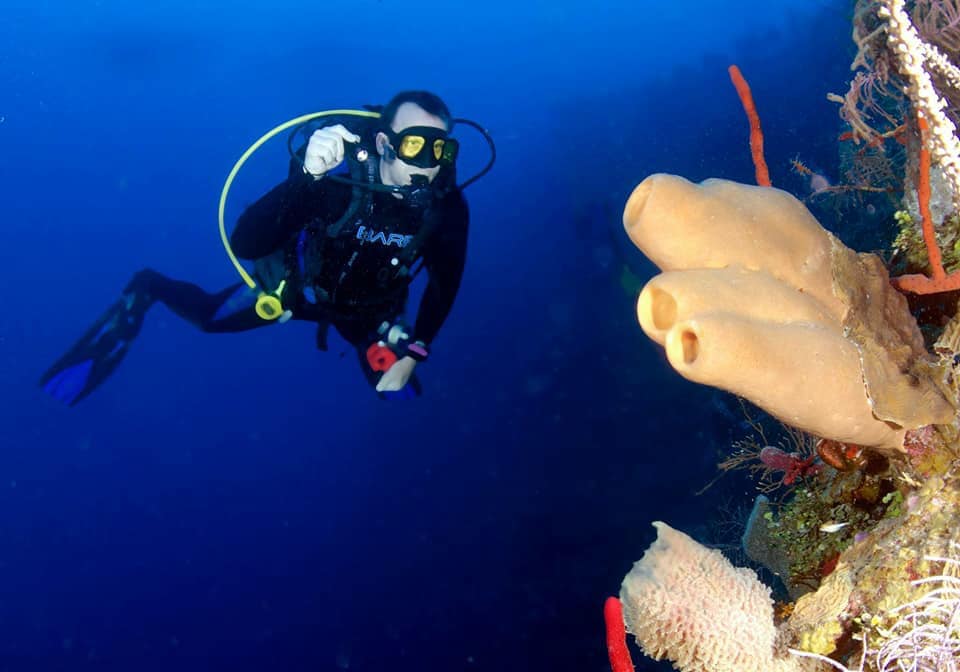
[(229, 310), (100, 350)]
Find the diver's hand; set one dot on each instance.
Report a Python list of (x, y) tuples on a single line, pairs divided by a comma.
[(325, 149), (397, 375)]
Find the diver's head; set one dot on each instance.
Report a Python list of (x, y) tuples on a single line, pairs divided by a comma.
[(413, 138)]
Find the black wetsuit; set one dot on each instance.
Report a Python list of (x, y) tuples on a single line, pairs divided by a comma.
[(348, 281)]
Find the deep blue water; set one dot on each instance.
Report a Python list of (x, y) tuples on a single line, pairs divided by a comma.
[(245, 502)]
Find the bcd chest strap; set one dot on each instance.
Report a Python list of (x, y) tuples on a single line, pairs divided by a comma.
[(313, 246)]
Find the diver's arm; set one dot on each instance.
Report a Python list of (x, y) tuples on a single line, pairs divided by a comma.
[(444, 259), (270, 221)]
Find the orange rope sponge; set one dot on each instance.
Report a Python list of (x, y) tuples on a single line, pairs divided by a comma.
[(939, 280), (756, 135)]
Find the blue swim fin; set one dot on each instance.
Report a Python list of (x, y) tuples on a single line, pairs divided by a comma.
[(97, 353), (67, 384)]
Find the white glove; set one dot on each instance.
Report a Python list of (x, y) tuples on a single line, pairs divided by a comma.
[(325, 149), (397, 375)]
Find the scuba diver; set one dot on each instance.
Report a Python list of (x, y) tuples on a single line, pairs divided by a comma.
[(339, 249)]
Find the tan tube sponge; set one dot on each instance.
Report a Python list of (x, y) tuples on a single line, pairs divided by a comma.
[(758, 299)]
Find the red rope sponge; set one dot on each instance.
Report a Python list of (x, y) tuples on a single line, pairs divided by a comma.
[(616, 636)]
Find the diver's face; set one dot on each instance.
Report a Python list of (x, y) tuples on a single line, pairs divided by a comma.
[(393, 171)]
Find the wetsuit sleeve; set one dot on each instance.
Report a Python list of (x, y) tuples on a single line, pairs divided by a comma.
[(269, 222), (444, 258)]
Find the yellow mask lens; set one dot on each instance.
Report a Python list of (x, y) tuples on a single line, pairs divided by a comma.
[(410, 146)]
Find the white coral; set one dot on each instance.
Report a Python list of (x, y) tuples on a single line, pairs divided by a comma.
[(686, 602), (914, 58)]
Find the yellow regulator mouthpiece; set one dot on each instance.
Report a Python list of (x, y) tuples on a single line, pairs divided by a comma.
[(270, 306)]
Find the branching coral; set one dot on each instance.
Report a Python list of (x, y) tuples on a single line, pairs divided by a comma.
[(902, 59), (917, 60), (784, 463), (909, 91)]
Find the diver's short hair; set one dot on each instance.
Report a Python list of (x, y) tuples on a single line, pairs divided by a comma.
[(430, 102)]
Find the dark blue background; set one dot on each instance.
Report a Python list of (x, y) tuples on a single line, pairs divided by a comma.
[(243, 501)]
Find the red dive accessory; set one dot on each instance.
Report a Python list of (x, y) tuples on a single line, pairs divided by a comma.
[(391, 342), (380, 357), (395, 339)]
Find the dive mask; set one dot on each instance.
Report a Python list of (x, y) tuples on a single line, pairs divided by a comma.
[(423, 146)]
